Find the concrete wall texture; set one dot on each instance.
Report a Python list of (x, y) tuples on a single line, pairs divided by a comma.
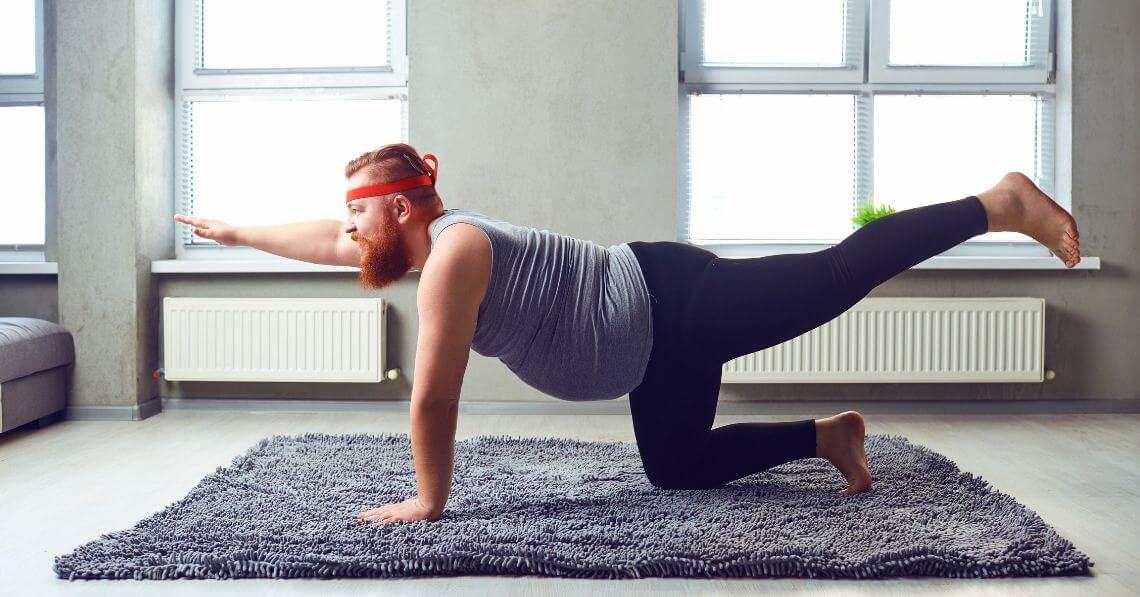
[(558, 115)]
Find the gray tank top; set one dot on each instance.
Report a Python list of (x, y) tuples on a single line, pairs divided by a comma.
[(569, 317)]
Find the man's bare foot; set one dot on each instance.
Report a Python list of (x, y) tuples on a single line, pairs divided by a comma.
[(1016, 204), (839, 439)]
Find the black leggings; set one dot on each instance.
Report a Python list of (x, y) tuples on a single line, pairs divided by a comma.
[(708, 310)]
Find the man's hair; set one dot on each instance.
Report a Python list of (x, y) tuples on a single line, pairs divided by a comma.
[(394, 162)]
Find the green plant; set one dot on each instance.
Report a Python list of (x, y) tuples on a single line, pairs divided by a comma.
[(866, 213)]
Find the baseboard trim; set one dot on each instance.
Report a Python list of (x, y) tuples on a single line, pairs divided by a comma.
[(621, 407), (137, 412)]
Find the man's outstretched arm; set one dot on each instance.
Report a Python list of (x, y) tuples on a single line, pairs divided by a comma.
[(452, 286), (315, 241)]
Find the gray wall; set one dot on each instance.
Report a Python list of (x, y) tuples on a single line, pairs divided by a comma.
[(29, 296), (110, 104), (558, 115)]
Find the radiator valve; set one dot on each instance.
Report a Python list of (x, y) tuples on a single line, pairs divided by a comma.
[(158, 373), (1050, 374), (392, 374)]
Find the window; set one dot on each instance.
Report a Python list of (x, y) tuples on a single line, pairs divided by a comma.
[(794, 114), (274, 98), (22, 147)]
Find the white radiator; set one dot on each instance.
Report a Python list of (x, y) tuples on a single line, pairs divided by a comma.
[(273, 339), (909, 340)]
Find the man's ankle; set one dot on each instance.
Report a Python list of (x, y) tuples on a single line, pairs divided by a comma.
[(1001, 209), (822, 438)]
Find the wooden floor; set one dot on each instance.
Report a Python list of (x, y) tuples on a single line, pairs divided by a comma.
[(72, 481)]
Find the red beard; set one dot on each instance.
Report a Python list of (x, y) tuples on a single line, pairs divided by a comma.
[(384, 258)]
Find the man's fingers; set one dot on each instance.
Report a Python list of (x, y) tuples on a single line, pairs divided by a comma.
[(385, 515), (189, 220), (193, 221)]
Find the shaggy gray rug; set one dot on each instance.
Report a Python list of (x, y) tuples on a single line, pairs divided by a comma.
[(561, 507)]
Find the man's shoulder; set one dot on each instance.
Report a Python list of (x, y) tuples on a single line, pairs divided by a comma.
[(460, 238), (462, 253)]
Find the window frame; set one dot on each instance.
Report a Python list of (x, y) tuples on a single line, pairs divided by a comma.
[(692, 60), (193, 84), (696, 79), (28, 90), (1039, 71)]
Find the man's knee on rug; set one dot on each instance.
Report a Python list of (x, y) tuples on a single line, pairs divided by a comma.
[(673, 473)]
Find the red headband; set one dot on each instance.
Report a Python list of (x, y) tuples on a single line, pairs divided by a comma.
[(423, 180)]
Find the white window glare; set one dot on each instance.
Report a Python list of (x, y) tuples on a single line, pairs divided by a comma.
[(22, 170), (934, 148), (262, 162), (962, 32), (771, 166), (272, 34), (17, 37), (774, 32)]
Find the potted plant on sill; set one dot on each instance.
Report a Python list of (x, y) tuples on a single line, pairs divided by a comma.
[(867, 212)]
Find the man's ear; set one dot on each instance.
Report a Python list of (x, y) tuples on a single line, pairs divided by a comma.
[(403, 205)]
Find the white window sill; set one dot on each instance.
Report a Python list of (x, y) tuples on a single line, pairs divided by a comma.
[(189, 266), (236, 266), (981, 262), (242, 266), (212, 266), (970, 256), (20, 268)]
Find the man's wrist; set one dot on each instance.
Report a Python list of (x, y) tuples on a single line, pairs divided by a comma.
[(240, 236)]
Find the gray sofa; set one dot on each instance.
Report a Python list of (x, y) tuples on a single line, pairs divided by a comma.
[(34, 354)]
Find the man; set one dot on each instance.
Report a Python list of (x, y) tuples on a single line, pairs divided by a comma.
[(653, 320), (386, 236)]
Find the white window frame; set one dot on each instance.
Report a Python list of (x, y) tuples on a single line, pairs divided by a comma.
[(1039, 69), (697, 71), (26, 90), (194, 84), (875, 79)]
